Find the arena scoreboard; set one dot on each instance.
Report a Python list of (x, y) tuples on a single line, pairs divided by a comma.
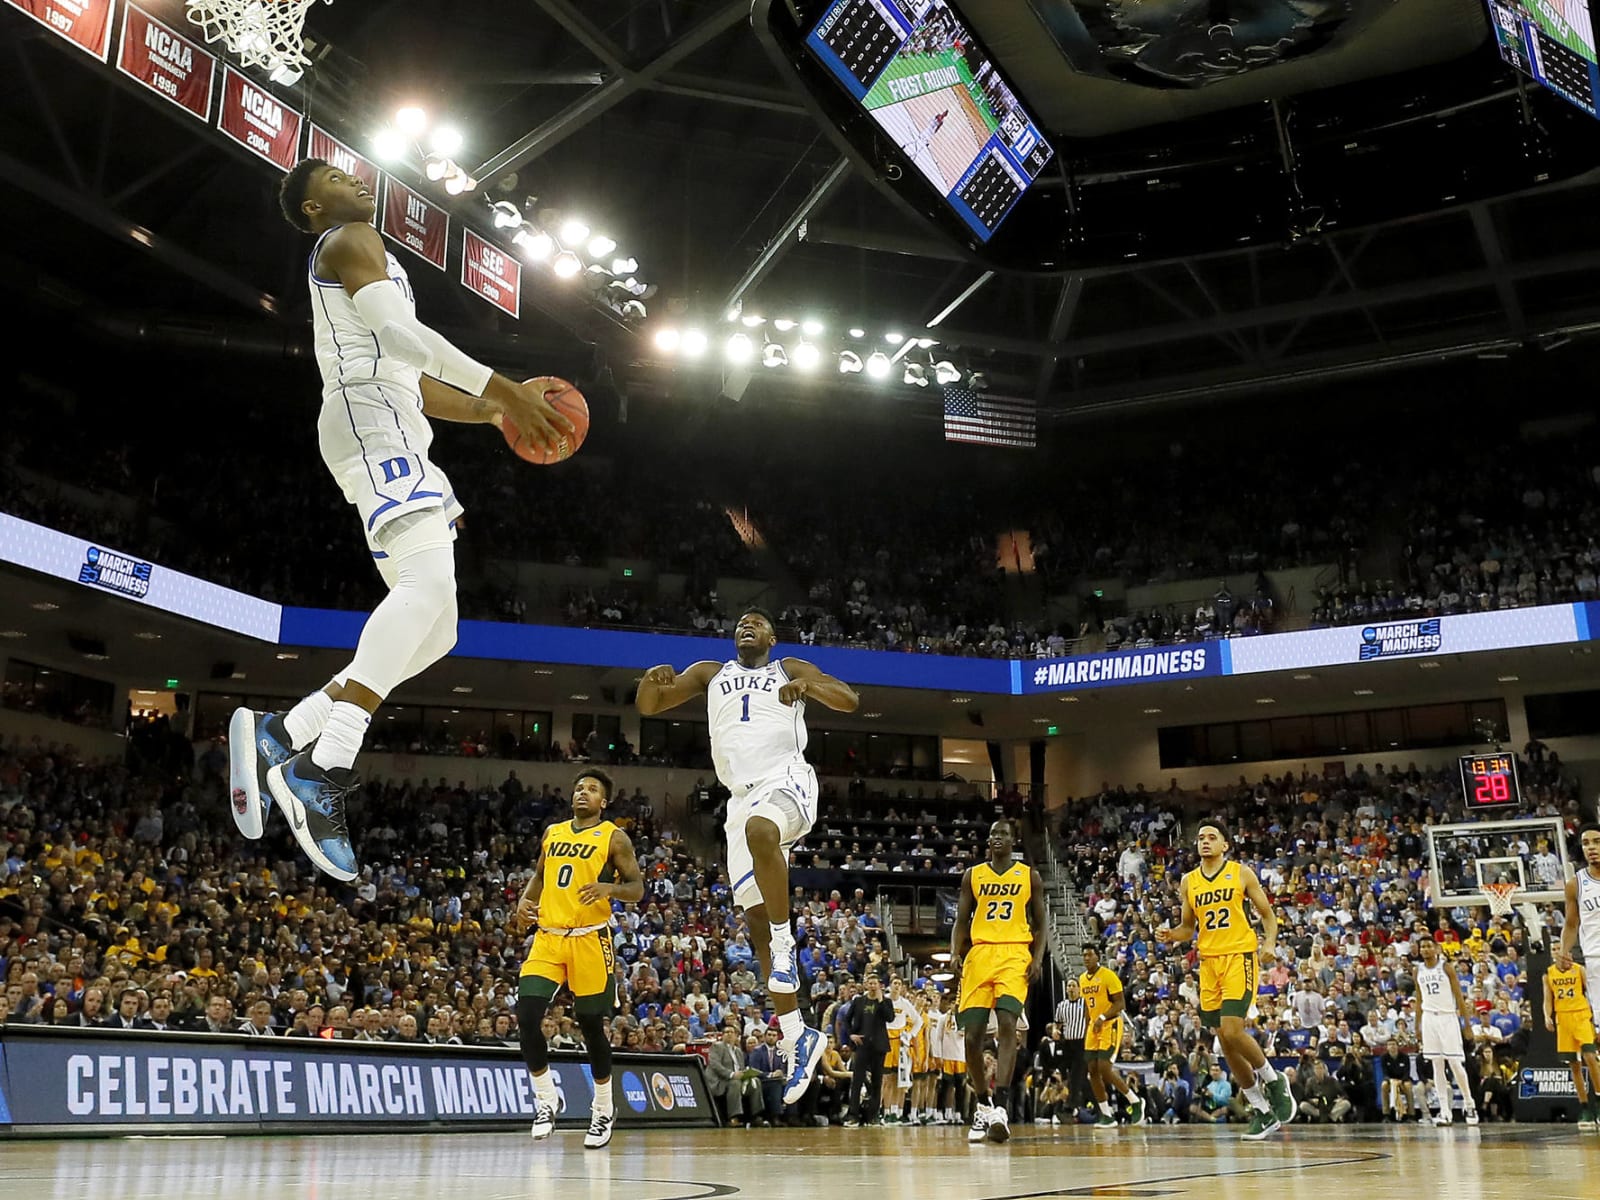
[(1552, 41), (915, 67), (1490, 781)]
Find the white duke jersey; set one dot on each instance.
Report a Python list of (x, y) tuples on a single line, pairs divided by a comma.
[(1434, 988), (347, 349), (753, 734), (1589, 920)]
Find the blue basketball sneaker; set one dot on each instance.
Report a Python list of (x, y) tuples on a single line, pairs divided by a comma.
[(313, 801), (785, 977), (257, 742), (805, 1056)]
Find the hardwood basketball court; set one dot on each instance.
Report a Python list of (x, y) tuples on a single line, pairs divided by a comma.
[(1353, 1163)]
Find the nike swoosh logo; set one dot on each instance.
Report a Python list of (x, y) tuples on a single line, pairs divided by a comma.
[(297, 815)]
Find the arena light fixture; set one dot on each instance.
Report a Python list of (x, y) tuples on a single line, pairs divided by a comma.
[(506, 215), (573, 232), (566, 264), (1364, 692), (461, 690), (1432, 664), (667, 339), (411, 121), (389, 145), (774, 355), (878, 365), (807, 356), (752, 320), (941, 977), (916, 375), (625, 266), (739, 349), (783, 324), (1508, 678), (435, 168), (458, 182), (946, 372), (446, 140), (977, 381), (1150, 712), (1304, 675), (693, 343), (858, 333), (600, 246), (940, 956), (535, 246), (1265, 700), (850, 363), (893, 338), (811, 327), (633, 310), (926, 343)]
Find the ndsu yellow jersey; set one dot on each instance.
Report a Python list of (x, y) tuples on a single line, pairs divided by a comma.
[(1001, 914), (1567, 988), (1098, 991), (1219, 912), (573, 858)]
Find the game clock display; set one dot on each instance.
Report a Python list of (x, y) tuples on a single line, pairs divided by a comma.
[(1553, 41), (917, 70), (1490, 781)]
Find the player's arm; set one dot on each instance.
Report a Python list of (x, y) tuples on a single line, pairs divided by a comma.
[(811, 683), (354, 255), (628, 882), (1038, 919), (1116, 1004), (1257, 895), (961, 935), (1183, 931), (1569, 926), (1455, 990), (662, 687), (1549, 1005), (527, 910)]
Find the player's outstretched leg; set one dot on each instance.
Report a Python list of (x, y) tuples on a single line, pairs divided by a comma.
[(773, 940), (536, 1054), (259, 741)]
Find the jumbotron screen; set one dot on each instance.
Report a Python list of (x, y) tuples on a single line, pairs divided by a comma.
[(1553, 41), (917, 70)]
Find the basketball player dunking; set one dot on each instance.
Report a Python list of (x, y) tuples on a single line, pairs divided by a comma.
[(1443, 1009), (585, 864), (1104, 1002), (384, 374), (1581, 928), (1214, 896), (998, 946), (758, 740)]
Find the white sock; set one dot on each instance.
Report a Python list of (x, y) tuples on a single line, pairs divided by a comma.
[(1265, 1073), (791, 1025), (782, 936), (1105, 1107), (305, 720), (602, 1098), (342, 736), (544, 1086), (1257, 1098)]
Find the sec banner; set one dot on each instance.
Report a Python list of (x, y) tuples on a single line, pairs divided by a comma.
[(87, 1079), (259, 121), (166, 62), (84, 23), (491, 273), (419, 226)]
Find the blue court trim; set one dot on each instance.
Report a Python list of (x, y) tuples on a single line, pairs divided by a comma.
[(1016, 678), (1225, 648)]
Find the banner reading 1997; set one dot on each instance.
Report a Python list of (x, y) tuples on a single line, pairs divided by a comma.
[(84, 23)]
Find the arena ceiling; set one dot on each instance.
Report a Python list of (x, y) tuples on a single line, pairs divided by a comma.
[(668, 123)]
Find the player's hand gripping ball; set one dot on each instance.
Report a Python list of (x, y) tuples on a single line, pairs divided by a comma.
[(563, 398)]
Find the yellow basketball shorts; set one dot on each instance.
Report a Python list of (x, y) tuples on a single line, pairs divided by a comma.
[(994, 975), (1104, 1044), (1574, 1031), (586, 963), (1227, 987)]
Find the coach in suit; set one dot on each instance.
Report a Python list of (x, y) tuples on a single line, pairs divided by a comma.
[(725, 1067), (869, 1040)]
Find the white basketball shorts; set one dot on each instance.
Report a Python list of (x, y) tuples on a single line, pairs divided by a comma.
[(787, 798), (374, 440), (1441, 1036)]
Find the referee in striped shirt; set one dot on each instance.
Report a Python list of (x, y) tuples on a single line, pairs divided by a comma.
[(1073, 1021)]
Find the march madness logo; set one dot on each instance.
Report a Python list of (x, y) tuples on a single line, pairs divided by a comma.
[(1400, 638), (115, 572), (1546, 1081)]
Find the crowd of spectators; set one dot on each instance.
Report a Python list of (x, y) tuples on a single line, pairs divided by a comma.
[(1343, 858)]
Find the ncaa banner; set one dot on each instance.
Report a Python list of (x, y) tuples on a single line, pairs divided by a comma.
[(258, 120), (1116, 667), (84, 23), (166, 62), (322, 144), (1549, 625), (116, 1080), (421, 227), (25, 544)]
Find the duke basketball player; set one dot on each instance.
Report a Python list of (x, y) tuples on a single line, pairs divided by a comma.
[(1581, 927), (1443, 1010), (384, 374), (758, 740)]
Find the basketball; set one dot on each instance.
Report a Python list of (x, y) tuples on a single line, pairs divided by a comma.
[(569, 402)]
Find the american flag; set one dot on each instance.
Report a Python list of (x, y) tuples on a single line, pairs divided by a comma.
[(989, 420)]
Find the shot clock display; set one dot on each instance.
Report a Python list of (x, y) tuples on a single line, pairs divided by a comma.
[(917, 70), (1490, 780)]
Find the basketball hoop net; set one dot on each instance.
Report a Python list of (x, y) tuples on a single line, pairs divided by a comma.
[(260, 33), (1501, 897)]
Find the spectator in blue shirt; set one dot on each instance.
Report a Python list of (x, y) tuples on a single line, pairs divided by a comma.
[(1503, 1019), (1215, 1098), (738, 952)]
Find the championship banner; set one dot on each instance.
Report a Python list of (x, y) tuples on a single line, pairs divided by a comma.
[(166, 62), (121, 1081), (419, 226), (1118, 667), (322, 144), (84, 23), (93, 565), (491, 273), (259, 121)]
